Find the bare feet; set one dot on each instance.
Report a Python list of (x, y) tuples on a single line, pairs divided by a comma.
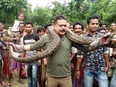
[(9, 84), (21, 81), (3, 84)]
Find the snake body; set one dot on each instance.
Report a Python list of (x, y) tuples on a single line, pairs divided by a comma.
[(53, 44), (79, 39)]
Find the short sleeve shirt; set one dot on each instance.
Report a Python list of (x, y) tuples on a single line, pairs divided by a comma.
[(94, 60)]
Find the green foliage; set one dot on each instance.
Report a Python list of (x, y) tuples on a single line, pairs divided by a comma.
[(59, 9), (41, 16), (10, 8), (75, 11)]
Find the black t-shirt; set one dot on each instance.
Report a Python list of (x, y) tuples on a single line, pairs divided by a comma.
[(30, 39)]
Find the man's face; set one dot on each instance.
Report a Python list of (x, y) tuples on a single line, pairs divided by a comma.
[(60, 27), (21, 27), (93, 25), (102, 33), (28, 28), (1, 26), (113, 26), (70, 26), (78, 29)]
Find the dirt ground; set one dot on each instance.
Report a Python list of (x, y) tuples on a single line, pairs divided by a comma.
[(15, 82)]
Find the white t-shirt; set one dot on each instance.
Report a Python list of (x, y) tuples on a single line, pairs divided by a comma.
[(15, 26)]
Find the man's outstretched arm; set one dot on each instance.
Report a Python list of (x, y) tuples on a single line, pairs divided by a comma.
[(23, 48)]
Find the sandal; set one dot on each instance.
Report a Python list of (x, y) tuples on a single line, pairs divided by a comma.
[(21, 81)]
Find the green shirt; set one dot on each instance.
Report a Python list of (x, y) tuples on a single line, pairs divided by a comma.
[(59, 61)]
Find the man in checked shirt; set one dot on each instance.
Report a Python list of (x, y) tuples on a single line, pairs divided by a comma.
[(96, 61)]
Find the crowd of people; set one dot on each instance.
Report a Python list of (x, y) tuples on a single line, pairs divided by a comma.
[(68, 66)]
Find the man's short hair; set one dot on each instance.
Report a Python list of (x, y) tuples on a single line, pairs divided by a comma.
[(78, 23), (21, 23), (99, 29), (102, 24), (28, 22), (47, 25), (59, 18), (92, 17), (112, 23), (1, 23)]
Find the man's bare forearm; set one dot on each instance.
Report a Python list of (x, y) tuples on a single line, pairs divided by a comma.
[(107, 57), (79, 61)]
